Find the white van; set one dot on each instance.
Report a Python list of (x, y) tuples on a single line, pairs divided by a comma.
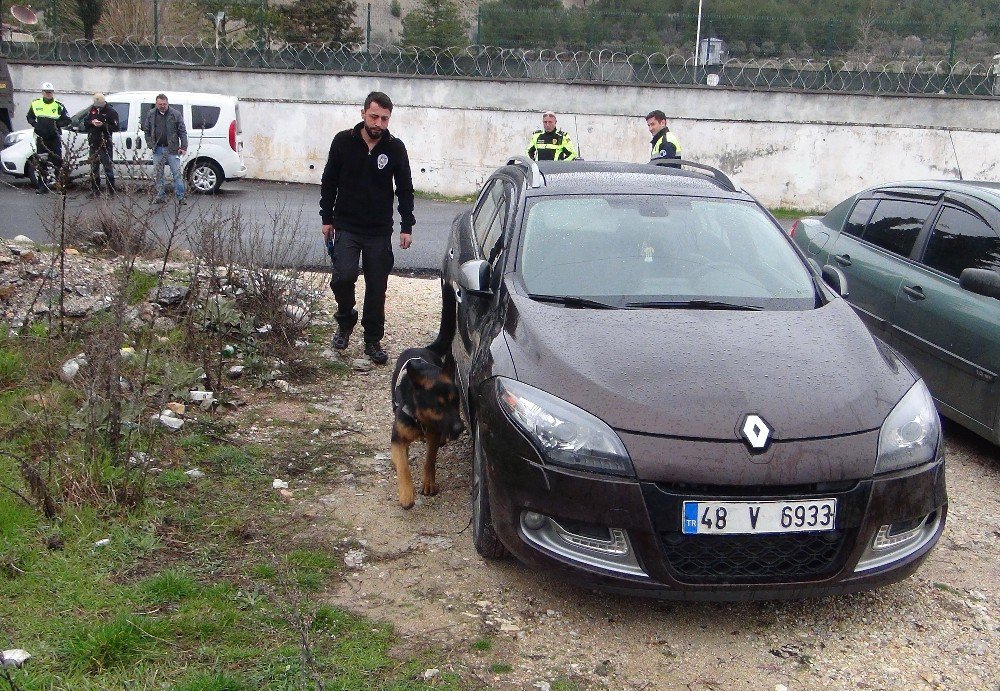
[(215, 142)]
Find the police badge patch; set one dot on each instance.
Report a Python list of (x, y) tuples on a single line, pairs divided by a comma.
[(383, 161)]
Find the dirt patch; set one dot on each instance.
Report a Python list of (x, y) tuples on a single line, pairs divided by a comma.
[(512, 627)]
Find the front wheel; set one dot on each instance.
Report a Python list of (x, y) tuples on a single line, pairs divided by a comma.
[(484, 537), (205, 176)]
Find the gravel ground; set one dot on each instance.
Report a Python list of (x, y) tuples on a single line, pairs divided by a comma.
[(418, 570)]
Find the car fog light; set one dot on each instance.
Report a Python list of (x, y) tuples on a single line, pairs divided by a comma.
[(534, 520), (899, 540)]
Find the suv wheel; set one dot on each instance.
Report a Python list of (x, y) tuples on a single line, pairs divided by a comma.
[(205, 176), (484, 537)]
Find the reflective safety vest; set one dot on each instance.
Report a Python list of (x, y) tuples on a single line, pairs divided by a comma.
[(551, 146), (41, 109), (660, 148)]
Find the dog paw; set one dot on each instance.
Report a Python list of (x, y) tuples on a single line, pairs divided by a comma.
[(406, 507), (429, 489)]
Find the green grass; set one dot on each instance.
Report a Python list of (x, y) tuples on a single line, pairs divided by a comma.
[(438, 197), (181, 595), (140, 284), (483, 645), (788, 212), (12, 367), (501, 668)]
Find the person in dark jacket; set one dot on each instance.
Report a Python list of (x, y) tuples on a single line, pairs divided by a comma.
[(166, 135), (100, 122), (47, 117), (356, 208)]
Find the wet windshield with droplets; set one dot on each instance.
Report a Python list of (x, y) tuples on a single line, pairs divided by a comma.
[(629, 249)]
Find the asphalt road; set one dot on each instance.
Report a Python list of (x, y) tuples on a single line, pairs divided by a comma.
[(22, 212)]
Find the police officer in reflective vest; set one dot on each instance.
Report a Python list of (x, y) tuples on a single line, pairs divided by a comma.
[(47, 116), (550, 144), (664, 143)]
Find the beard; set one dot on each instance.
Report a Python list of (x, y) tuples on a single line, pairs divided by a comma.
[(374, 132)]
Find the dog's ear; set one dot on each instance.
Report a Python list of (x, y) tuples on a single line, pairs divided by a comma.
[(420, 372)]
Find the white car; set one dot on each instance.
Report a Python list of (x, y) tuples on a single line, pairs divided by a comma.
[(215, 142)]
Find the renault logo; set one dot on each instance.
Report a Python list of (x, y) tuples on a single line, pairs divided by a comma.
[(756, 433)]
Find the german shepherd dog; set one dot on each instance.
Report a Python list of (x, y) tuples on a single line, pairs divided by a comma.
[(425, 404)]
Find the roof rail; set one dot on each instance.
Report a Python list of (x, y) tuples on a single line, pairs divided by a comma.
[(536, 175), (720, 177)]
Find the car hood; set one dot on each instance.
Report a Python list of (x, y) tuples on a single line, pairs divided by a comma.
[(696, 373)]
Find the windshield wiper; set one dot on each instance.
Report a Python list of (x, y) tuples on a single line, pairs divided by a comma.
[(572, 301), (692, 305)]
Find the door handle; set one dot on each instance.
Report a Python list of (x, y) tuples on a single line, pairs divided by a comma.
[(128, 142), (843, 259), (458, 291), (451, 253), (138, 142), (915, 292)]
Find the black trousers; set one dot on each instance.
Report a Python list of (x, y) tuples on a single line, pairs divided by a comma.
[(375, 253), (101, 156), (52, 147)]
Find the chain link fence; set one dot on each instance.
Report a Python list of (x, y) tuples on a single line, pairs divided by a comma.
[(572, 44)]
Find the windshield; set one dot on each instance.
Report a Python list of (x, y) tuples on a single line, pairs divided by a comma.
[(659, 251)]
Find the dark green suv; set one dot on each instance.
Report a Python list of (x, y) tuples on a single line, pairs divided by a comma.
[(923, 266)]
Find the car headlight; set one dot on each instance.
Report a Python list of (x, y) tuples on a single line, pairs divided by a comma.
[(13, 138), (565, 434), (910, 434)]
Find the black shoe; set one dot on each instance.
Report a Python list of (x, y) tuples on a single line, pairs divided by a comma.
[(375, 353), (41, 190), (341, 339)]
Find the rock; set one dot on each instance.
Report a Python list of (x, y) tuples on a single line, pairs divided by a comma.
[(296, 314), (14, 657), (279, 484), (603, 669), (382, 457), (127, 353), (70, 368), (169, 296), (543, 685), (286, 494), (201, 396), (266, 328), (194, 474), (100, 239), (235, 372), (431, 673), (167, 419), (28, 256), (780, 687), (22, 240), (72, 252), (362, 364), (283, 386), (103, 542), (177, 408), (359, 406), (508, 627), (355, 558)]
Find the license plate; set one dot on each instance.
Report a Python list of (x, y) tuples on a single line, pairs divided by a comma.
[(753, 517)]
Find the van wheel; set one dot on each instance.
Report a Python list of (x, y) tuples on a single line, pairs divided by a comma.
[(484, 537), (205, 176)]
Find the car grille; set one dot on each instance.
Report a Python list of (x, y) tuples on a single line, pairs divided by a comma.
[(706, 559)]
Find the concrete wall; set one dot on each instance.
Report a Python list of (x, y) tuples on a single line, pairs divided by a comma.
[(806, 151)]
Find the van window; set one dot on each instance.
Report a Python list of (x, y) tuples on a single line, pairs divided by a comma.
[(204, 117), (122, 110)]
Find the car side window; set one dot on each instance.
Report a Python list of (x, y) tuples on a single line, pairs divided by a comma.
[(492, 244), (961, 241), (859, 217), (122, 110), (836, 216), (896, 224), (482, 217)]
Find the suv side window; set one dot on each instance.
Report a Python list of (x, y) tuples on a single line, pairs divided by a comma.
[(482, 217), (960, 241), (896, 224), (492, 244), (859, 217)]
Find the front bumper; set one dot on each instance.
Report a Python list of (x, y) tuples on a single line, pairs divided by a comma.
[(642, 549)]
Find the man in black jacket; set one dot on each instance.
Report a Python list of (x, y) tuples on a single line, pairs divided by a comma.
[(356, 208), (100, 122)]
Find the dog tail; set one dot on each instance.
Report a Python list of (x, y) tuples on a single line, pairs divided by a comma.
[(446, 331)]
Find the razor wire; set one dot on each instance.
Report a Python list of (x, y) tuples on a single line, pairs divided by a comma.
[(495, 63)]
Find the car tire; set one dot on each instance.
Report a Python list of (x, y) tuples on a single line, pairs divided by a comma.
[(31, 171), (484, 537), (205, 176)]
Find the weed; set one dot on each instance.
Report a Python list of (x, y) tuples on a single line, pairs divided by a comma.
[(483, 645), (139, 285), (310, 567), (12, 367), (501, 668), (124, 640), (168, 587)]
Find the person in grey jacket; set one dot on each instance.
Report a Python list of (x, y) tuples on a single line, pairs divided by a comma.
[(166, 135)]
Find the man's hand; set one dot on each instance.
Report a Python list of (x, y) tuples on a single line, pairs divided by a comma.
[(328, 232), (180, 151), (404, 240), (96, 123)]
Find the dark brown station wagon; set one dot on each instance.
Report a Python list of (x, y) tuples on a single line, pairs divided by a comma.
[(666, 397)]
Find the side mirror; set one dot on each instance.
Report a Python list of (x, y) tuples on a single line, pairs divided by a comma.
[(836, 279), (981, 281), (475, 277)]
